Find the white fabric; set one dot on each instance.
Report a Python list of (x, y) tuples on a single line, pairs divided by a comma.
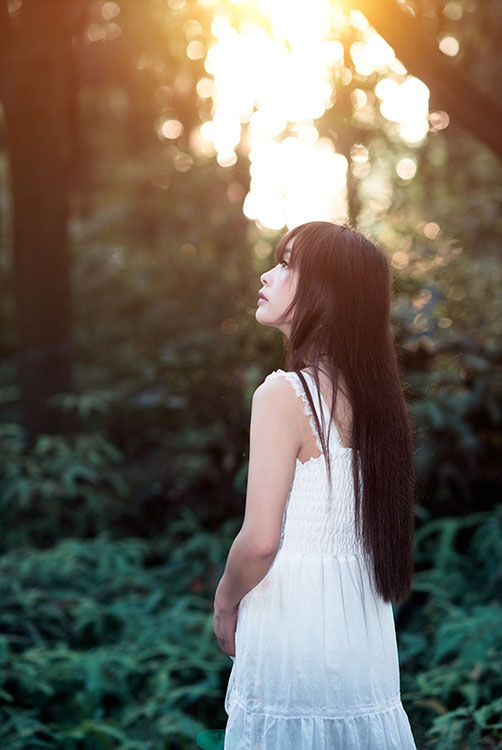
[(316, 663)]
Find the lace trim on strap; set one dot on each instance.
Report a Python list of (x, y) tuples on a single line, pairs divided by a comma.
[(297, 385)]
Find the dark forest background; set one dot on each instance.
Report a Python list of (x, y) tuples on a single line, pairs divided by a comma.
[(129, 353)]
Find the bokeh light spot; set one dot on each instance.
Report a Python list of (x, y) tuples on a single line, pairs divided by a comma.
[(438, 121), (205, 88), (182, 161), (453, 11), (400, 260), (171, 129), (431, 230), (196, 50), (449, 45), (406, 168), (109, 10), (192, 29)]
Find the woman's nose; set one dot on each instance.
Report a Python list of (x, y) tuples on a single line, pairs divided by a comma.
[(264, 278)]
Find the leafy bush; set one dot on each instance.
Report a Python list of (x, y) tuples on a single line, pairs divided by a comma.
[(64, 484), (451, 645), (110, 643)]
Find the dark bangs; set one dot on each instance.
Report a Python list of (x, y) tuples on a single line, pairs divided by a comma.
[(280, 250)]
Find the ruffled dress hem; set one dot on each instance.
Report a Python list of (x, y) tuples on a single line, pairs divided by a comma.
[(382, 729)]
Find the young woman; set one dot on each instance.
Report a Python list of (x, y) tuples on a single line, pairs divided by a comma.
[(304, 606)]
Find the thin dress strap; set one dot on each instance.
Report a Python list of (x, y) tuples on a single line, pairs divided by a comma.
[(297, 384)]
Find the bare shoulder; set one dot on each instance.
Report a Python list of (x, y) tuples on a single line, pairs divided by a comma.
[(276, 396), (275, 386)]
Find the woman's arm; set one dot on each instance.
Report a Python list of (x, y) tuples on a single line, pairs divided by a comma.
[(274, 444), (244, 569)]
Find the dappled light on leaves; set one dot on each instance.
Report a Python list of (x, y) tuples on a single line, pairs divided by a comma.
[(287, 169), (407, 104), (275, 70)]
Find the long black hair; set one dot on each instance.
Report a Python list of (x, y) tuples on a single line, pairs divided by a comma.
[(340, 314)]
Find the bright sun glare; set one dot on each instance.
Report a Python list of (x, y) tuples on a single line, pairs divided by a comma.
[(272, 78)]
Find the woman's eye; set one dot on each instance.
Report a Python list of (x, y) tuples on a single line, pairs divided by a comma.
[(284, 263)]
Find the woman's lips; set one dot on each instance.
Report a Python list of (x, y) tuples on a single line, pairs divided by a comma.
[(262, 300)]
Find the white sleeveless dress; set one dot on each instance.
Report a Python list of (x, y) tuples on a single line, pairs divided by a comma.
[(316, 663)]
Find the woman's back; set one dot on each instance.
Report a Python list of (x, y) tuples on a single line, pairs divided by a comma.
[(316, 664), (318, 522)]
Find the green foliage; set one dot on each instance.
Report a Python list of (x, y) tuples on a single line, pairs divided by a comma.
[(451, 646), (110, 643), (62, 483)]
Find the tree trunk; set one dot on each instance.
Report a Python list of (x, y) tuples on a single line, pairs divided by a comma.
[(36, 93)]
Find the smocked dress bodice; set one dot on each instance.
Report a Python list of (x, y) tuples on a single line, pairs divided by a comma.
[(319, 522)]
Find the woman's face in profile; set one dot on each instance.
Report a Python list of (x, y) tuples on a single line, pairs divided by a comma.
[(279, 287)]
